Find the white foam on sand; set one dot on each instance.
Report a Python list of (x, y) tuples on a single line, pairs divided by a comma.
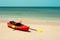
[(51, 30)]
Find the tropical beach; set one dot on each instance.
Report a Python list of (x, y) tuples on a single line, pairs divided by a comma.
[(48, 23)]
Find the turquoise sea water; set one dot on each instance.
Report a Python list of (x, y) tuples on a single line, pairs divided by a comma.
[(40, 13)]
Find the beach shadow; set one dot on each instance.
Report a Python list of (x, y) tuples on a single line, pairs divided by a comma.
[(18, 30), (26, 31), (22, 30)]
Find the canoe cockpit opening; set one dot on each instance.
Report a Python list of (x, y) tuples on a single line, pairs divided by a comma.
[(18, 24), (12, 22)]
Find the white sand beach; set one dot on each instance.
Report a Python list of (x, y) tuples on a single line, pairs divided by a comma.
[(50, 28)]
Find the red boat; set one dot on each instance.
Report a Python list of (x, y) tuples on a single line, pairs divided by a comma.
[(18, 26)]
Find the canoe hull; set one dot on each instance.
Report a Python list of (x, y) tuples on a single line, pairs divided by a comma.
[(21, 27)]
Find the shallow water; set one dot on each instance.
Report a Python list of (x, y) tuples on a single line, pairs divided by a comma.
[(40, 13)]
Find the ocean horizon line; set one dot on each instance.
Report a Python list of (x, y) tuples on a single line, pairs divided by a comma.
[(25, 7)]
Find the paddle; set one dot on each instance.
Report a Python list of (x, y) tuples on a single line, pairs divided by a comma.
[(36, 30)]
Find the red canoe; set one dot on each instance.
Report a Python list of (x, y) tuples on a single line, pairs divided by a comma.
[(21, 27)]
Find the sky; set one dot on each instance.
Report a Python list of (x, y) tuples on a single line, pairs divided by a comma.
[(30, 3)]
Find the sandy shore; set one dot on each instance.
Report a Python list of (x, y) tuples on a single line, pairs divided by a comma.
[(51, 30)]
